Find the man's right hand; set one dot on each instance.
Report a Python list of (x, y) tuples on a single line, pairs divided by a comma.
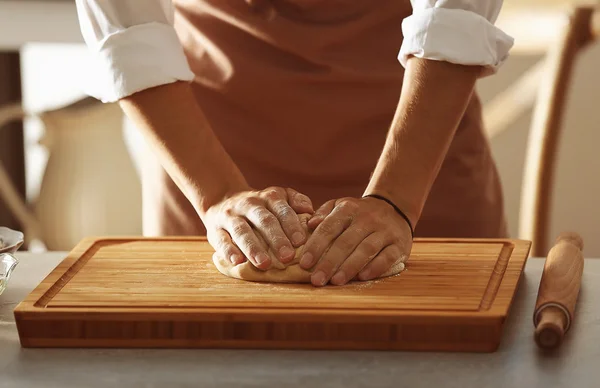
[(232, 225)]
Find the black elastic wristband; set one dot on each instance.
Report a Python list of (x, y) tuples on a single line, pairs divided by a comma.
[(412, 232)]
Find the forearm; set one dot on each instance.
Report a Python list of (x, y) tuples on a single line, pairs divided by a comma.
[(178, 132), (434, 97)]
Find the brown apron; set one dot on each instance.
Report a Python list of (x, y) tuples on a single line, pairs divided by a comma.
[(304, 99)]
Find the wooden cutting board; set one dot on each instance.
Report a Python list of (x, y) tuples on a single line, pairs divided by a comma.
[(119, 292)]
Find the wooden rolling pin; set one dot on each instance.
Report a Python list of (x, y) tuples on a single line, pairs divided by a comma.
[(558, 292)]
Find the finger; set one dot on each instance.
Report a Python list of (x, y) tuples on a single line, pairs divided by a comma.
[(331, 227), (269, 227), (244, 237), (224, 246), (299, 202), (287, 218), (321, 214), (366, 251), (340, 250), (389, 256)]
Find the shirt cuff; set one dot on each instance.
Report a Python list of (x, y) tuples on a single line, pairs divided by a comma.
[(456, 36), (134, 59)]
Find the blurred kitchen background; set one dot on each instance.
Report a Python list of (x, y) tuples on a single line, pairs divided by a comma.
[(79, 178)]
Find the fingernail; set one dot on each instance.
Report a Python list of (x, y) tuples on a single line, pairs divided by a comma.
[(339, 278), (297, 238), (365, 275), (262, 258), (306, 260), (235, 258), (286, 254), (318, 278)]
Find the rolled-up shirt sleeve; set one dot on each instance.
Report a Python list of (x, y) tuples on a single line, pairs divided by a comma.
[(456, 31), (133, 45)]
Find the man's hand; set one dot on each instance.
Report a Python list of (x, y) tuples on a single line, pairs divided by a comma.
[(355, 238), (232, 225)]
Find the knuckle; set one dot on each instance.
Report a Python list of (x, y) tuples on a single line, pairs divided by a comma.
[(283, 210), (264, 217), (344, 244), (273, 193), (326, 228), (239, 227), (348, 204), (229, 212), (353, 268), (371, 247), (250, 245), (244, 203), (221, 240), (360, 230)]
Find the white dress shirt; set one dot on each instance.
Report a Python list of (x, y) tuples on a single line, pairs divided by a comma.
[(135, 45)]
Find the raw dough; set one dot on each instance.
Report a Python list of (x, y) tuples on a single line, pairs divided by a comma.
[(2, 243), (279, 272)]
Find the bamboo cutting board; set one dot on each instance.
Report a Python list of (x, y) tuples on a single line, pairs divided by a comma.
[(453, 296)]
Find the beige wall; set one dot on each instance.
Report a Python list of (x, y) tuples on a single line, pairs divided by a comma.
[(577, 179)]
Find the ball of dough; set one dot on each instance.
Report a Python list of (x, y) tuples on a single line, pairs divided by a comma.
[(279, 272)]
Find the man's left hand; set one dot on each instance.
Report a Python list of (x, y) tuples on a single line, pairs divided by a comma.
[(355, 238)]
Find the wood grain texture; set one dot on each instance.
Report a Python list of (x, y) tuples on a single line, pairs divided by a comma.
[(559, 288), (140, 292)]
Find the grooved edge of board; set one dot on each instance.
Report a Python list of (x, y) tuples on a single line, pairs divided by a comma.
[(498, 273), (40, 325)]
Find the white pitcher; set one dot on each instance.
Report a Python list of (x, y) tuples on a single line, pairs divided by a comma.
[(90, 186)]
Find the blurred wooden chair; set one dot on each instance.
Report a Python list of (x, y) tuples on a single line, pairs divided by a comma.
[(545, 86)]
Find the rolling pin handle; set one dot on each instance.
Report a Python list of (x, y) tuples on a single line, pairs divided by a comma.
[(551, 327)]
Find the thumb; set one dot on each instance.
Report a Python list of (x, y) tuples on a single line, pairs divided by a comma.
[(321, 213)]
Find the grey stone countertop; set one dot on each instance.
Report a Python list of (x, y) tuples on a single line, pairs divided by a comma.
[(518, 362)]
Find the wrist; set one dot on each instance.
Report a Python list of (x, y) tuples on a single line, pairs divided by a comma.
[(396, 209), (409, 207), (215, 194)]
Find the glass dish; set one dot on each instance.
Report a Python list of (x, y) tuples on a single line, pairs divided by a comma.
[(10, 242)]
